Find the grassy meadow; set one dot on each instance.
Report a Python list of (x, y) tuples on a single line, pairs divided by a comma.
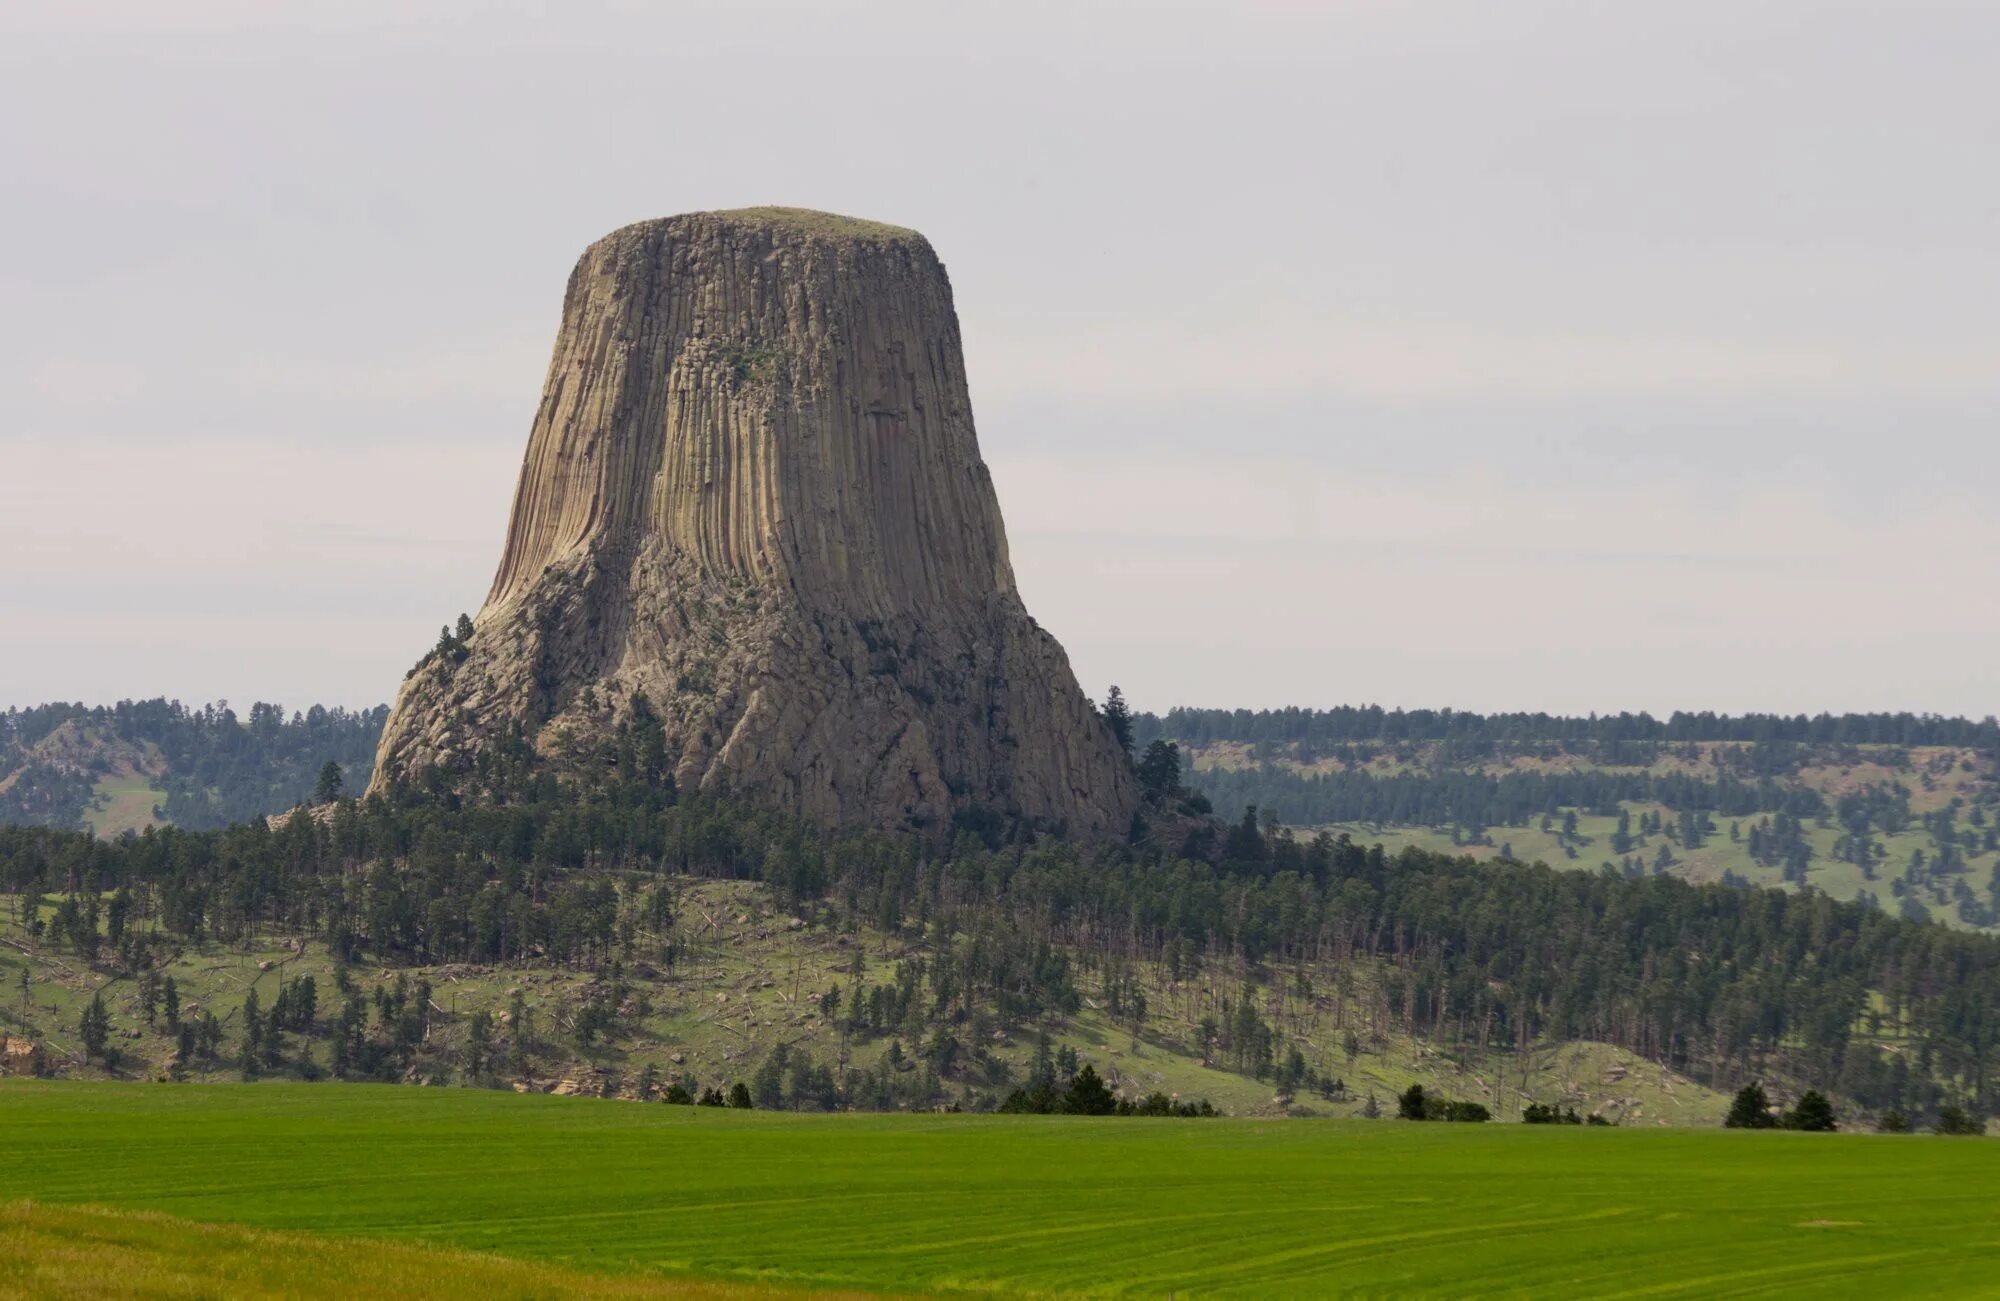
[(937, 1204), (124, 801)]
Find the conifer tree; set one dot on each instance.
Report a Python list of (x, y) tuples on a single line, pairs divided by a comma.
[(96, 1027), (1750, 1110), (1118, 717)]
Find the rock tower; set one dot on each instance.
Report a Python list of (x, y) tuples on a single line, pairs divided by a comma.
[(753, 493)]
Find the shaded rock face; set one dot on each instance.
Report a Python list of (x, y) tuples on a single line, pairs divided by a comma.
[(753, 493)]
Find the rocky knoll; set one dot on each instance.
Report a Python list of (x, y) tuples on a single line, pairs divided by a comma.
[(753, 493)]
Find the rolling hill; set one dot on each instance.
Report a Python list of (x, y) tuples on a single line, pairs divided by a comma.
[(149, 763), (1909, 826)]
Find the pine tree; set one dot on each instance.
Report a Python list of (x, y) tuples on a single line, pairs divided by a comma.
[(1118, 717), (1087, 1095), (1043, 1071), (96, 1027), (478, 1046), (1160, 770), (250, 1060), (1750, 1110), (1814, 1114)]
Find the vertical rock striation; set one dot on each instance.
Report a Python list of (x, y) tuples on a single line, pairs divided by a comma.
[(754, 494)]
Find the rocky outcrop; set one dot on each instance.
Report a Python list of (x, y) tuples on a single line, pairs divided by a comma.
[(753, 493)]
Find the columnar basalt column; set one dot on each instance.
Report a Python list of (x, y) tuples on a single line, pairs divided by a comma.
[(754, 495)]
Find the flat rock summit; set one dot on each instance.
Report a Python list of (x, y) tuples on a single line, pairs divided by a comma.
[(753, 496)]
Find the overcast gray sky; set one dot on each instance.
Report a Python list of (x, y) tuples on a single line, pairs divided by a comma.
[(1522, 355)]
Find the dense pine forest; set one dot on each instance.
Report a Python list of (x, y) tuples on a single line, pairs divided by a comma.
[(1373, 723)]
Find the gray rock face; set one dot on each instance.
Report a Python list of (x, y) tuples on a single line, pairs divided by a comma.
[(753, 492)]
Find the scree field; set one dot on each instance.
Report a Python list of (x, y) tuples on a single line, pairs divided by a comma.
[(578, 1194)]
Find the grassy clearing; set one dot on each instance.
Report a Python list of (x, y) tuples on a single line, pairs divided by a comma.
[(124, 801), (1048, 1205), (88, 1252)]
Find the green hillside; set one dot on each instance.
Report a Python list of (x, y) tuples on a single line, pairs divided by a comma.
[(733, 978), (150, 763), (1911, 828), (1020, 1205), (608, 933)]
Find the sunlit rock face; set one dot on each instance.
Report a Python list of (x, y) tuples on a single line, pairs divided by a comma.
[(753, 493)]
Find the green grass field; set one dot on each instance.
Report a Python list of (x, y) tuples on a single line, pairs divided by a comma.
[(925, 1204)]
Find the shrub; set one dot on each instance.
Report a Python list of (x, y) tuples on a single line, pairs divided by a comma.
[(1087, 1095), (1750, 1110), (1414, 1104), (1954, 1121), (1814, 1114)]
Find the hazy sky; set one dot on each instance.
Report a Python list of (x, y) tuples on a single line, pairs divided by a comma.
[(1523, 355)]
